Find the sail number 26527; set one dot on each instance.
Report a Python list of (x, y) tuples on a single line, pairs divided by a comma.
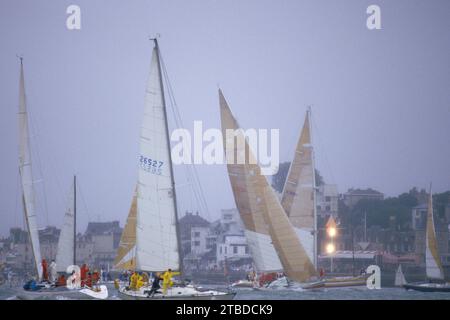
[(151, 165)]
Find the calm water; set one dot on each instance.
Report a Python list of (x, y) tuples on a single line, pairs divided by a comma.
[(318, 294)]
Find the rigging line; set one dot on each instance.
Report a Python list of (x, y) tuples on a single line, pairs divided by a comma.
[(35, 134), (175, 109), (16, 198), (83, 200), (55, 164), (327, 162)]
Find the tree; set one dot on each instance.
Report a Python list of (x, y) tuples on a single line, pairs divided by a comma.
[(279, 179)]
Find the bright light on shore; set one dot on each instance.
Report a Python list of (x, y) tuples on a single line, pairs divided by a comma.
[(330, 248), (331, 232)]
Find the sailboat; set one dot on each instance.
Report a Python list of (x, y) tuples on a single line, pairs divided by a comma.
[(28, 198), (247, 191), (433, 264), (66, 257), (400, 280), (157, 244), (299, 202), (271, 237), (26, 177)]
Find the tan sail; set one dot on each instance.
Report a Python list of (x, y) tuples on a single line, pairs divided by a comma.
[(432, 258), (296, 264), (125, 258), (247, 184), (298, 197)]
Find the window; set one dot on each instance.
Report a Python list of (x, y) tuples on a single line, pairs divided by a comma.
[(328, 208), (196, 234), (246, 249), (327, 198), (196, 243), (235, 249), (220, 250)]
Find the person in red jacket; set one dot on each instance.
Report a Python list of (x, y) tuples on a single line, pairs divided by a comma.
[(44, 270), (89, 280), (84, 273), (95, 277)]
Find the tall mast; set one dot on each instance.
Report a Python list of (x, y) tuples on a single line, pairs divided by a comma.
[(313, 190), (180, 260), (74, 219)]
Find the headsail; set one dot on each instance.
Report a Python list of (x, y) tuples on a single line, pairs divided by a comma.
[(125, 258), (65, 255), (247, 184), (296, 263), (432, 258), (298, 197), (156, 228), (26, 175)]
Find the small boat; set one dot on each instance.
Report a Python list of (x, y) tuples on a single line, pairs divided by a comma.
[(433, 264), (428, 287), (400, 280), (151, 242)]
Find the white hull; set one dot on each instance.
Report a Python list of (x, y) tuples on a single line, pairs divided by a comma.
[(243, 284), (64, 293), (175, 293)]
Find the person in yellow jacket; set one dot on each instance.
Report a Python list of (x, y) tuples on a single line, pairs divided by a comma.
[(140, 282), (145, 278), (167, 279), (134, 280)]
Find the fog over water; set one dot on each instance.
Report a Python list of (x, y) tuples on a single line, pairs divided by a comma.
[(380, 98)]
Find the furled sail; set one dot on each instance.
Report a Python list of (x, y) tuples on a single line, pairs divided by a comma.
[(156, 227), (432, 258), (248, 188), (296, 263), (298, 197), (125, 259), (26, 175), (66, 242)]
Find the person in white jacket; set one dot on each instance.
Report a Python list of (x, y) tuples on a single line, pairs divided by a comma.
[(53, 272)]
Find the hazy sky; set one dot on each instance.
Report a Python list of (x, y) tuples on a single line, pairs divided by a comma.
[(381, 98)]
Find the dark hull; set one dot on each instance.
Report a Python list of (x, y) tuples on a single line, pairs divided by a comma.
[(427, 287)]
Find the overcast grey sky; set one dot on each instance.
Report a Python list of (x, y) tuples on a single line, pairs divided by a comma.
[(381, 98)]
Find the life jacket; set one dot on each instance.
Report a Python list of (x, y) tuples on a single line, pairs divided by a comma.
[(61, 281), (44, 270), (89, 281)]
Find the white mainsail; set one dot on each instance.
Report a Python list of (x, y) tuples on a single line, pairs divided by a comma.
[(433, 263), (66, 243), (400, 277), (156, 227), (26, 175), (248, 185), (298, 197)]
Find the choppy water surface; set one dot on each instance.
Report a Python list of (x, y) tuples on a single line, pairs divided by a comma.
[(317, 294)]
